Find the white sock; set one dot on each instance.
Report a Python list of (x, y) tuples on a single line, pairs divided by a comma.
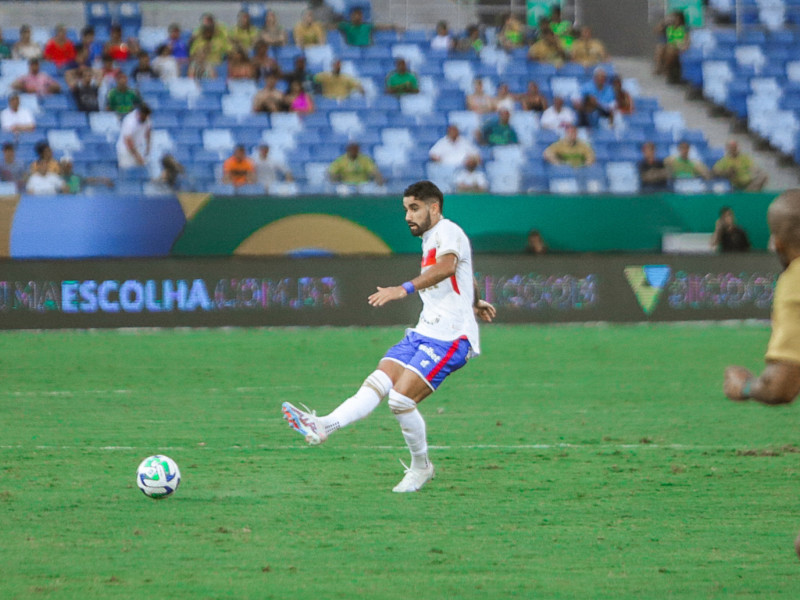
[(413, 427), (361, 404)]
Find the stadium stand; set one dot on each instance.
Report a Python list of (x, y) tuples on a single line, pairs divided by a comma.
[(199, 121)]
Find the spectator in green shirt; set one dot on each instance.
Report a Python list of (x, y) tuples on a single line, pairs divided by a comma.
[(5, 49), (358, 33), (401, 81), (354, 168), (683, 167), (498, 131), (122, 99), (739, 169)]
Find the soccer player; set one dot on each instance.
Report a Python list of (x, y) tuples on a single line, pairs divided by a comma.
[(779, 382), (445, 337)]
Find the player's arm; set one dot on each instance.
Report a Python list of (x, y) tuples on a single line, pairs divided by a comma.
[(483, 310), (779, 383), (444, 268)]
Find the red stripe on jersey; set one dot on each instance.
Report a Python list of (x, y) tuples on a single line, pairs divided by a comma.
[(455, 284), (430, 258), (447, 357)]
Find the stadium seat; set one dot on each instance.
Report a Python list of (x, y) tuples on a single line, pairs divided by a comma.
[(504, 178), (623, 178), (347, 123), (218, 140), (98, 14), (236, 105), (287, 122), (416, 104), (129, 16), (105, 123), (693, 185), (64, 141), (564, 185), (467, 121)]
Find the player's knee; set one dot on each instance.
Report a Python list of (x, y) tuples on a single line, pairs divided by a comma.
[(380, 382), (400, 403)]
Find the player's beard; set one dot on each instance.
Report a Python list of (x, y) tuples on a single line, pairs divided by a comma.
[(417, 229)]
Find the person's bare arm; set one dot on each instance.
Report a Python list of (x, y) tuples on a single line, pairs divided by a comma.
[(779, 383), (444, 268), (483, 310)]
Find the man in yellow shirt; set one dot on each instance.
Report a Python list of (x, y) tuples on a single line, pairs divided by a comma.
[(739, 169), (779, 382), (354, 168), (335, 84), (587, 50), (549, 49), (569, 150), (309, 32)]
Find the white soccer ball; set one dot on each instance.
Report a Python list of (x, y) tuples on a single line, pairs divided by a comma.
[(158, 476)]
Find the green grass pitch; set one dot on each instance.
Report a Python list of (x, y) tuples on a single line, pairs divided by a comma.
[(572, 462)]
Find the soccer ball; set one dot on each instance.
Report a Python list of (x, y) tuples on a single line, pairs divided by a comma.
[(158, 476)]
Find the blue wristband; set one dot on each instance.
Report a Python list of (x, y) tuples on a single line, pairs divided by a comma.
[(409, 287), (746, 388)]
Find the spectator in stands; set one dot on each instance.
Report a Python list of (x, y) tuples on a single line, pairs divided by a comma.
[(122, 99), (133, 144), (453, 149), (165, 64), (298, 100), (357, 32), (10, 168), (44, 155), (512, 33), (172, 173), (209, 45), (479, 101), (270, 99), (570, 150), (74, 68), (587, 50), (108, 72), (600, 89), (590, 114), (401, 81), (238, 169), (623, 101), (739, 169), (273, 33), (536, 244), (36, 82), (200, 63), (354, 168), (116, 47), (268, 168), (309, 32), (335, 84), (561, 27), (442, 41), (74, 182), (558, 117), (94, 48), (143, 71), (532, 99), (244, 34), (43, 182), (265, 64), (497, 131), (675, 40), (728, 236), (85, 91), (681, 166), (471, 42), (548, 49), (177, 45), (26, 48), (239, 65), (59, 49), (504, 98), (470, 178), (653, 174), (300, 73), (15, 118), (5, 49)]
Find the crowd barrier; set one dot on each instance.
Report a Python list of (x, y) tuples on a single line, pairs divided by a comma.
[(202, 225), (239, 291)]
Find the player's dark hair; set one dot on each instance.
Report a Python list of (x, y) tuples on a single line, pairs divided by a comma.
[(427, 191), (725, 209)]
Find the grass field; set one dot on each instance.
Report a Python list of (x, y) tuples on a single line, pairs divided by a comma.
[(572, 462)]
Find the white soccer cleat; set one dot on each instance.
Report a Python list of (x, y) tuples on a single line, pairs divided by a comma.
[(414, 479), (307, 424)]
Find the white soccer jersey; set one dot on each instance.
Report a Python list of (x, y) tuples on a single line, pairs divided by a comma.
[(447, 312)]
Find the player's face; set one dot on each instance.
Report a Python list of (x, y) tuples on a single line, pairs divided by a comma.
[(418, 215)]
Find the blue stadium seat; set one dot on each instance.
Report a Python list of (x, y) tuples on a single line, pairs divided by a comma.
[(129, 16), (98, 14), (74, 119)]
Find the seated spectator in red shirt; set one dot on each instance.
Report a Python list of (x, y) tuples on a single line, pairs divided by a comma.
[(59, 50), (116, 46), (36, 82)]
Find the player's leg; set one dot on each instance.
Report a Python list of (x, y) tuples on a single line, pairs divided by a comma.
[(375, 387), (432, 363)]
